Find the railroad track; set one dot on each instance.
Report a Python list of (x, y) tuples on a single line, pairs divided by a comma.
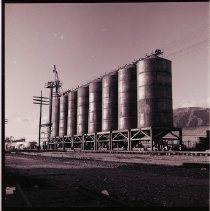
[(181, 153), (189, 153)]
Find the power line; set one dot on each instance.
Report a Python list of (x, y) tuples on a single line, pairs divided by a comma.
[(186, 37), (187, 48)]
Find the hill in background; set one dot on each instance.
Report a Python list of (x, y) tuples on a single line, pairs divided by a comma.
[(194, 121), (191, 117)]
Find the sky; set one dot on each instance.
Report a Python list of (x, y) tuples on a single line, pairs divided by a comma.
[(85, 41)]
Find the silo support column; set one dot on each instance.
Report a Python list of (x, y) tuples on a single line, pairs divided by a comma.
[(48, 144), (110, 141), (63, 143), (83, 142), (72, 142), (95, 142), (129, 140), (55, 143), (151, 136)]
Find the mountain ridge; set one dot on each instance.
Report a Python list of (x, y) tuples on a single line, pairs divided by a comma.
[(189, 117)]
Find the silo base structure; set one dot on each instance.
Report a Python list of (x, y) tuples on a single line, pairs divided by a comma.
[(155, 138), (143, 139)]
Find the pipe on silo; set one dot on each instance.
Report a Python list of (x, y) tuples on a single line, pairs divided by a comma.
[(109, 102), (55, 116), (127, 97), (82, 110), (154, 92), (72, 113), (63, 115), (95, 106)]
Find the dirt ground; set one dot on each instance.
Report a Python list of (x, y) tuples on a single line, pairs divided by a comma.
[(134, 180)]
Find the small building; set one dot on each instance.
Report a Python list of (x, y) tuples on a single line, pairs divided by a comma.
[(13, 144), (203, 143)]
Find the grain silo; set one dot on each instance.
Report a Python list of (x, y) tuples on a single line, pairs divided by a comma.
[(82, 109), (63, 115), (154, 92), (55, 116), (95, 106), (109, 102), (127, 97), (72, 113), (129, 109)]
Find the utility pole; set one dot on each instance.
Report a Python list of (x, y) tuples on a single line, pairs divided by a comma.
[(5, 122), (41, 101)]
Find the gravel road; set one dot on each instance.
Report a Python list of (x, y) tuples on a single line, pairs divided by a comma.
[(136, 180)]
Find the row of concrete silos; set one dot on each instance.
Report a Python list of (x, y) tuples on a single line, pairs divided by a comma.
[(136, 96)]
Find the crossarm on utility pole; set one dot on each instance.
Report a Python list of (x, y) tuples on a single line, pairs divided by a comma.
[(40, 121)]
